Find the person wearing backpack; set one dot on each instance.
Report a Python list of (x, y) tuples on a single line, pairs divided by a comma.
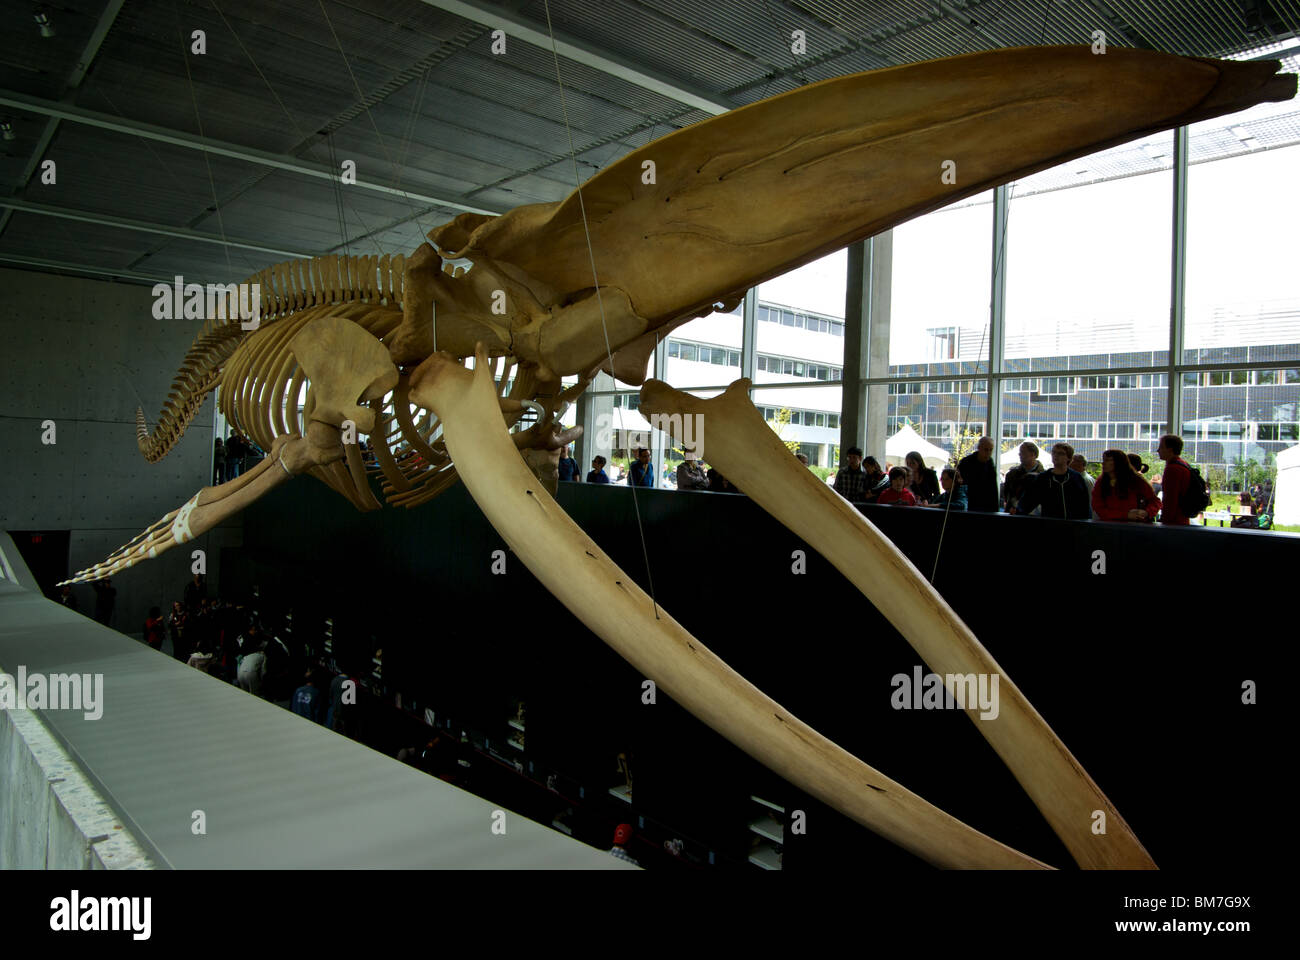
[(1182, 490)]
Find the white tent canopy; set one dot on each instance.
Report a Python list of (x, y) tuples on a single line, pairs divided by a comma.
[(908, 441), (1286, 488)]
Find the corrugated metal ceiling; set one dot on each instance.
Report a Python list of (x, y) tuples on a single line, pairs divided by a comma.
[(416, 96)]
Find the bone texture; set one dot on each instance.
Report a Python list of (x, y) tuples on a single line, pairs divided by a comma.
[(735, 439), (575, 569)]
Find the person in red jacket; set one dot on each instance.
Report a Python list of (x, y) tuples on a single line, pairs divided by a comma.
[(897, 491), (153, 628), (1120, 494), (1177, 476)]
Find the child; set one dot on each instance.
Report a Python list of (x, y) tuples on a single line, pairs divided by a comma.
[(597, 474), (153, 628), (954, 493), (897, 492)]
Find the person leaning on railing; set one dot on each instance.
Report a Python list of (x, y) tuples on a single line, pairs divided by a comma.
[(690, 473), (852, 482), (1120, 494), (924, 482), (953, 490), (1060, 492)]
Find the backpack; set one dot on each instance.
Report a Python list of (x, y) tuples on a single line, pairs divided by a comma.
[(1196, 498)]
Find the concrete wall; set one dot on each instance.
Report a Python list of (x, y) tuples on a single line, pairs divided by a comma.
[(51, 817), (79, 352)]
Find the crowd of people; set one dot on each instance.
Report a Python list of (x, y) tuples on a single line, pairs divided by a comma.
[(235, 455), (1065, 490), (690, 474), (226, 640)]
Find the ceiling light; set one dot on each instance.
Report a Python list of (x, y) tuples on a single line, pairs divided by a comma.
[(1250, 142), (1240, 132), (42, 18)]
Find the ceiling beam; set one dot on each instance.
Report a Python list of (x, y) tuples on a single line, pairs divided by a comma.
[(93, 118), (107, 17), (142, 226), (63, 267), (580, 51)]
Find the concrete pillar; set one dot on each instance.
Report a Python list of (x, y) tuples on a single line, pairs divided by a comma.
[(998, 315), (596, 416), (749, 337), (661, 443), (853, 398), (882, 290), (865, 409), (1178, 290)]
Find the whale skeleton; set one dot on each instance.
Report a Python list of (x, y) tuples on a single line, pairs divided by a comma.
[(672, 231)]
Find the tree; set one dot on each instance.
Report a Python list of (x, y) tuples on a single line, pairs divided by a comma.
[(781, 426), (964, 443), (1245, 474), (1155, 466), (1216, 478)]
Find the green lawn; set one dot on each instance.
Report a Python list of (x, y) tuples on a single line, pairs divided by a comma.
[(1226, 501)]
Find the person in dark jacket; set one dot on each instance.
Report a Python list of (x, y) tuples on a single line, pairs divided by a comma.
[(642, 472), (980, 474), (568, 467), (181, 648), (195, 591), (1021, 476), (718, 483), (924, 483), (954, 492), (234, 456), (691, 474), (253, 455), (278, 683), (877, 479), (342, 716), (308, 701), (1061, 492), (852, 481), (105, 600), (597, 473)]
